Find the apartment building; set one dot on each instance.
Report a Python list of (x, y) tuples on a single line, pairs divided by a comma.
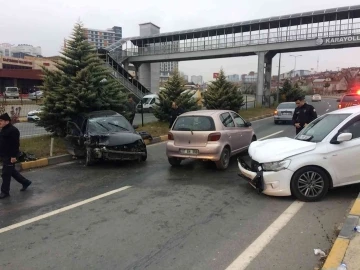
[(103, 38)]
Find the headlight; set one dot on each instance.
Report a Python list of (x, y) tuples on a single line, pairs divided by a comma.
[(276, 166)]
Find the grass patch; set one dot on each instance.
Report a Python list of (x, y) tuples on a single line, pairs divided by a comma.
[(40, 146), (155, 129), (255, 112)]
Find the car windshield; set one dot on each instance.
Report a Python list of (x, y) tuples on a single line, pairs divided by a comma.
[(351, 98), (317, 130), (110, 124), (146, 100), (194, 123), (290, 105)]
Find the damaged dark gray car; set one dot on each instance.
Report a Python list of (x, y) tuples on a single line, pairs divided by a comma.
[(104, 135)]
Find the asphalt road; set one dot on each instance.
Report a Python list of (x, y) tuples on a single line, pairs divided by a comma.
[(191, 217)]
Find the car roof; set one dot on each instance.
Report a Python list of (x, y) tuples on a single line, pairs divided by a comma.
[(206, 112), (351, 95), (351, 110), (287, 102)]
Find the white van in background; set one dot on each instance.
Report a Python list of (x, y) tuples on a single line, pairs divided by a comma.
[(149, 101), (12, 92)]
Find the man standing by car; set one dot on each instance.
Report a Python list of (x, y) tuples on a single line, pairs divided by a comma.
[(303, 114), (132, 108), (175, 112), (9, 151)]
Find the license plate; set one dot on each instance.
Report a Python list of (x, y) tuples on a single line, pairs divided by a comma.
[(287, 113), (189, 151)]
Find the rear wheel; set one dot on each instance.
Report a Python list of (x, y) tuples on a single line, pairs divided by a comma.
[(174, 161), (310, 184), (224, 161)]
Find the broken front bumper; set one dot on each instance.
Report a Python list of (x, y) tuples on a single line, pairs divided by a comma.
[(270, 183), (103, 153)]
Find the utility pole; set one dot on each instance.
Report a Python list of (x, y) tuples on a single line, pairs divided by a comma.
[(295, 56), (278, 90)]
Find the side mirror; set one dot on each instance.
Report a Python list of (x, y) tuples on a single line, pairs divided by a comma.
[(247, 124), (135, 126), (342, 137), (338, 100)]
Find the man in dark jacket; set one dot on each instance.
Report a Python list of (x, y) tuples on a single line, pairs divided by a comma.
[(132, 108), (303, 114), (175, 112), (9, 151)]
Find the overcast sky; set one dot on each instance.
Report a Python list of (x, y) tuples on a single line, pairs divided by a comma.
[(47, 23)]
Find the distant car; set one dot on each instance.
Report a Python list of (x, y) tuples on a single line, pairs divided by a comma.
[(104, 135), (349, 100), (36, 95), (316, 98), (284, 112), (34, 115), (213, 135), (12, 92), (325, 154)]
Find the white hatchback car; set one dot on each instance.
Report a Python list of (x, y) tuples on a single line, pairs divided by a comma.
[(325, 154)]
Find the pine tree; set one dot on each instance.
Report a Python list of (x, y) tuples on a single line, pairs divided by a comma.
[(174, 92), (81, 83), (223, 95)]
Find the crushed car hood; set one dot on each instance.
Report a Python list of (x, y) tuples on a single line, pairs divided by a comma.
[(278, 149), (114, 139)]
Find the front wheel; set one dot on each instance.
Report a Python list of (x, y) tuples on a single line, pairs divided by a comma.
[(224, 161), (89, 159), (144, 157), (276, 122), (310, 184)]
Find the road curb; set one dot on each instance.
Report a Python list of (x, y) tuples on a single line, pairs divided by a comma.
[(341, 244), (260, 117)]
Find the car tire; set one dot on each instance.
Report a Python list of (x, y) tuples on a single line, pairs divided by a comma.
[(174, 161), (276, 122), (150, 110), (224, 161), (89, 160), (303, 181), (144, 158)]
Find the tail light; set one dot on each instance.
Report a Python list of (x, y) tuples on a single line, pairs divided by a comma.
[(170, 136), (339, 106), (213, 137)]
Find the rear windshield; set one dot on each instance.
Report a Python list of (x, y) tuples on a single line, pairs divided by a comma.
[(287, 106), (350, 98), (12, 89), (194, 123)]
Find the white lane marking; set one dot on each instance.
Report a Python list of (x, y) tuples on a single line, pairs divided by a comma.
[(273, 134), (327, 109), (58, 211), (264, 239)]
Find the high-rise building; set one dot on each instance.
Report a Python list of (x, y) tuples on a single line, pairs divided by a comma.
[(197, 79), (233, 78), (168, 67), (19, 51), (103, 38)]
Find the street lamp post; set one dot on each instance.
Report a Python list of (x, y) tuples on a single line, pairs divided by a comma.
[(295, 56), (278, 90)]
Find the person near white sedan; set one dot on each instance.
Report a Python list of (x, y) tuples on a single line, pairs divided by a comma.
[(322, 156)]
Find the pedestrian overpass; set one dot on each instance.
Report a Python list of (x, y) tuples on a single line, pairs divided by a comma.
[(315, 30)]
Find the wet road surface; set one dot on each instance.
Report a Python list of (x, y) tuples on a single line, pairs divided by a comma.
[(191, 217)]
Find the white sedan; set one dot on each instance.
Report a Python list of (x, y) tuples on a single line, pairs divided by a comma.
[(34, 115), (325, 154), (316, 98)]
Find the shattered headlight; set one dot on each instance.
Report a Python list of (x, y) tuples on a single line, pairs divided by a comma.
[(276, 166)]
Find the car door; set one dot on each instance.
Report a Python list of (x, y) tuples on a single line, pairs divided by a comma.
[(344, 157), (74, 139), (246, 132), (233, 134)]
